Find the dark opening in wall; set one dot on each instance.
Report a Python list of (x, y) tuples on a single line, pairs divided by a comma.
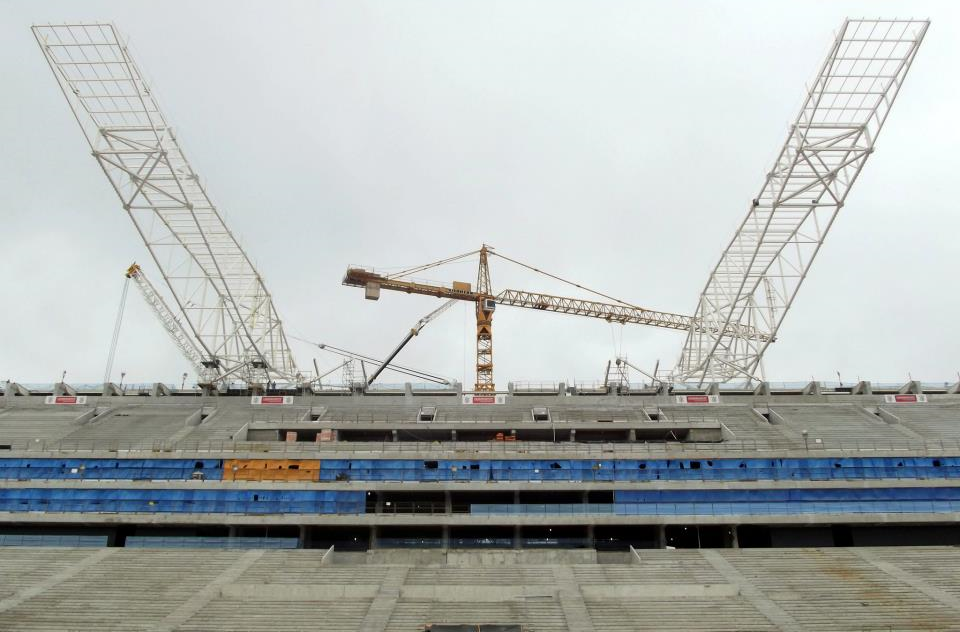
[(485, 537), (622, 537), (842, 535), (698, 537), (555, 537), (354, 538), (426, 537), (431, 465)]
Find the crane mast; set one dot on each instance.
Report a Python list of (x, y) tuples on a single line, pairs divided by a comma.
[(761, 270), (226, 306), (485, 308)]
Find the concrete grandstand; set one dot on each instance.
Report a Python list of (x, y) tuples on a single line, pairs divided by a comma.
[(561, 509)]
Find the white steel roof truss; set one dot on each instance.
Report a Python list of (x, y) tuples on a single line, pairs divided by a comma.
[(212, 281), (760, 272)]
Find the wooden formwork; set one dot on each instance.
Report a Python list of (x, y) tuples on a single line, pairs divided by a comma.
[(271, 470)]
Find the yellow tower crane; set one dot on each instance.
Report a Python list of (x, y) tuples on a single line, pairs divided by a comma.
[(486, 302)]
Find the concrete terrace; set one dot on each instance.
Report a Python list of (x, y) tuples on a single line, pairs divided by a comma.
[(710, 590)]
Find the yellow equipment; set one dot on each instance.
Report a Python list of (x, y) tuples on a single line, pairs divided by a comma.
[(486, 301)]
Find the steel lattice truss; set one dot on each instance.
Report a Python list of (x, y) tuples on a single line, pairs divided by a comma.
[(757, 278), (171, 324), (213, 282)]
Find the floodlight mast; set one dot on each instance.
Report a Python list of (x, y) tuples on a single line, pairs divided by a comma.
[(761, 270), (213, 282)]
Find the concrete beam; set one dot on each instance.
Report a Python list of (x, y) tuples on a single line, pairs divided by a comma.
[(110, 389), (12, 389), (54, 580), (571, 600), (211, 591), (887, 416), (917, 583), (378, 615), (160, 390), (764, 605), (911, 388), (862, 388), (762, 390), (812, 388), (62, 388)]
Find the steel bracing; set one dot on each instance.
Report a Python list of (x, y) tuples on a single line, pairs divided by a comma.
[(761, 270), (222, 297)]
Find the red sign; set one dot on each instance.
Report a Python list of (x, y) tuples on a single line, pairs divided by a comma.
[(64, 399), (698, 399), (484, 399), (272, 399), (904, 398)]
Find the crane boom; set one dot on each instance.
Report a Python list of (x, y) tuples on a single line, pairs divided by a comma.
[(414, 331), (612, 312), (758, 276), (171, 324), (223, 299)]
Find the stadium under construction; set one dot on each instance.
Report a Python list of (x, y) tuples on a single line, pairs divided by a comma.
[(705, 497)]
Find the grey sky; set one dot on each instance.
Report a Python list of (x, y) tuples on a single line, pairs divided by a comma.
[(614, 143)]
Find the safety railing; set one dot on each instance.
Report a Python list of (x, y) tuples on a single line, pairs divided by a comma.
[(390, 448), (718, 509)]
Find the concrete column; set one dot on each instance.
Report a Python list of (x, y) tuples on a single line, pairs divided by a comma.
[(733, 540), (232, 531), (453, 435), (395, 435), (374, 532), (445, 537), (632, 435), (302, 541), (447, 503), (662, 536), (517, 536), (573, 435), (590, 537), (378, 504)]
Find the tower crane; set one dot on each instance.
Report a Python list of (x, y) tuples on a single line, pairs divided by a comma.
[(221, 297), (486, 301)]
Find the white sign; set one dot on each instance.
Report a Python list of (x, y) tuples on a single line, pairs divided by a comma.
[(698, 399), (69, 400), (905, 398), (484, 399), (272, 400)]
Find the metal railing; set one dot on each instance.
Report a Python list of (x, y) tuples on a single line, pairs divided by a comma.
[(719, 509), (388, 448)]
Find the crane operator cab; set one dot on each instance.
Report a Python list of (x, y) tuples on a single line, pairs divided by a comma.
[(489, 304)]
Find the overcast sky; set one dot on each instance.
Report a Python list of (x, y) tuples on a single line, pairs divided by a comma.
[(614, 143)]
